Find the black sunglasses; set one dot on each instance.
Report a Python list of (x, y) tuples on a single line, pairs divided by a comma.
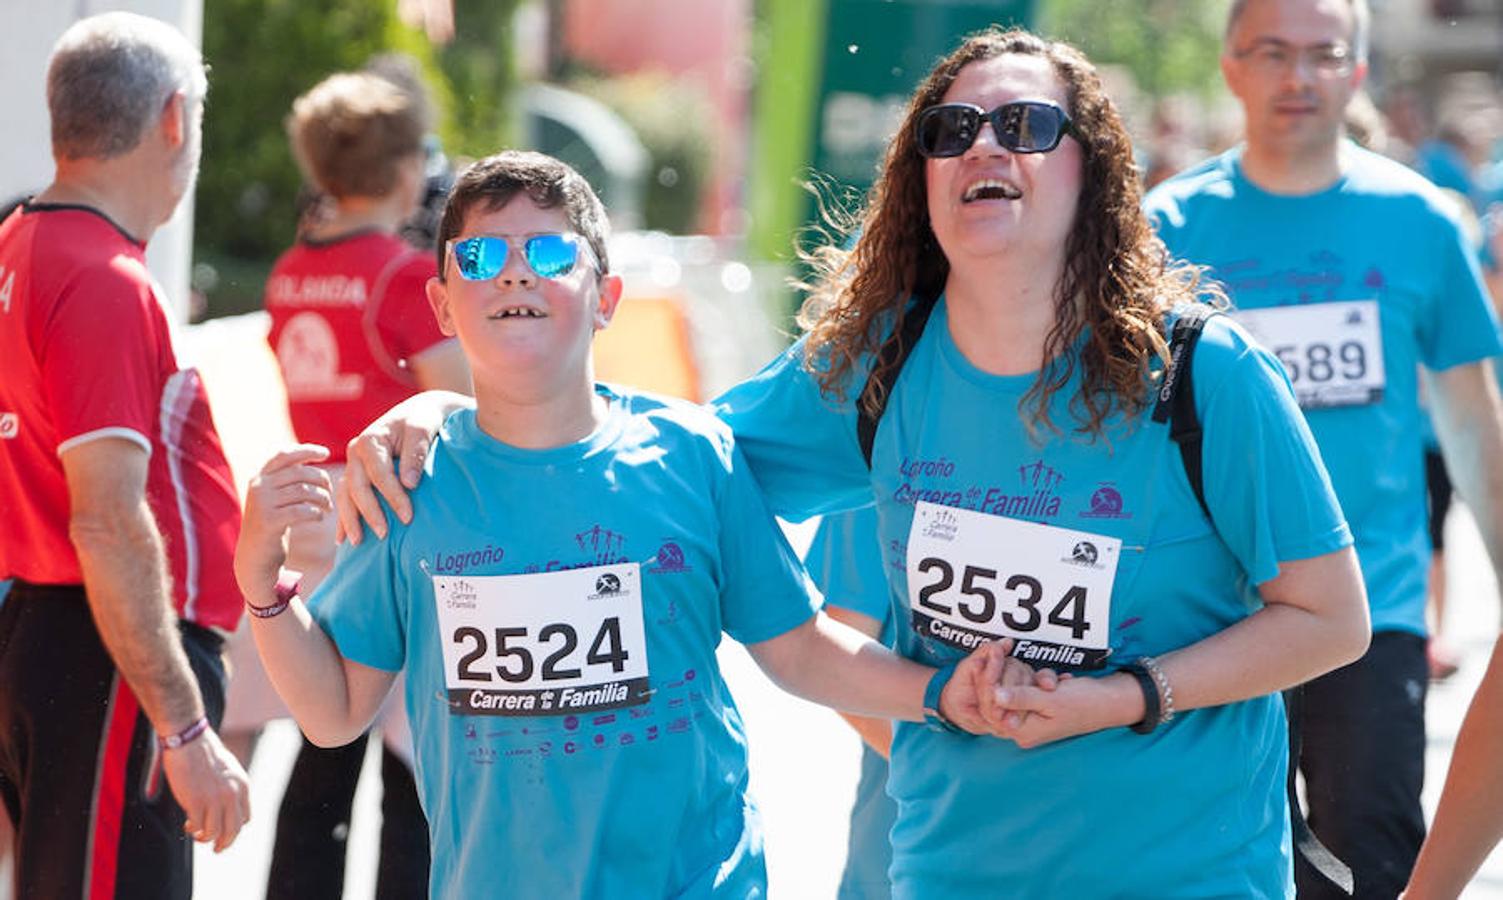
[(1027, 126)]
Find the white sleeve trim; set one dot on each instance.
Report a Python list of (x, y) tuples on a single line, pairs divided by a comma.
[(130, 434)]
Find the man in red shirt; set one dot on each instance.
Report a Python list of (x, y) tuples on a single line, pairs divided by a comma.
[(118, 515)]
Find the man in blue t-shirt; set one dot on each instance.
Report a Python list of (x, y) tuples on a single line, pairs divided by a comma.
[(1354, 272), (845, 560), (573, 736)]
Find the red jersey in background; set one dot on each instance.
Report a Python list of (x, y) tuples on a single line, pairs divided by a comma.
[(346, 315)]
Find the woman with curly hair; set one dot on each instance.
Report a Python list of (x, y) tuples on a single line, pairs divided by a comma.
[(1025, 491)]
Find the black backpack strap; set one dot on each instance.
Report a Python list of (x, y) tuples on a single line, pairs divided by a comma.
[(1176, 405), (889, 363), (1176, 399)]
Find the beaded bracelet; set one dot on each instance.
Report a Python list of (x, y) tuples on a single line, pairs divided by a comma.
[(1166, 690), (1158, 694)]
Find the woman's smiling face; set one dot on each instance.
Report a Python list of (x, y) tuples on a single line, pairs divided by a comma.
[(988, 200)]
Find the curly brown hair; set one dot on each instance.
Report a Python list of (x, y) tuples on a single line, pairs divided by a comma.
[(1118, 282)]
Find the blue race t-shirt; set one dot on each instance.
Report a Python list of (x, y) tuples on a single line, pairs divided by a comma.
[(577, 741), (1382, 242), (1445, 166), (1086, 816), (845, 561)]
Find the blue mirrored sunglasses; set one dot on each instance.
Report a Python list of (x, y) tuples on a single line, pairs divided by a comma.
[(549, 255)]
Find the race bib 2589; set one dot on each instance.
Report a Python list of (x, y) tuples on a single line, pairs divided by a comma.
[(1332, 352)]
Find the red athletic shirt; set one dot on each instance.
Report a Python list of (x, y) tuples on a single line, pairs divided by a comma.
[(86, 352), (346, 315)]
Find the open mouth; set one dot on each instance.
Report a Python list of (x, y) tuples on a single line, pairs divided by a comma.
[(520, 312), (991, 189)]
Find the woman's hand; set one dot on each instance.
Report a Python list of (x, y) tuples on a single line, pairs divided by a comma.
[(978, 676), (404, 434), (1032, 715)]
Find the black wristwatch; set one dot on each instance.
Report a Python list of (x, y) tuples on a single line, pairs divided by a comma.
[(1150, 689)]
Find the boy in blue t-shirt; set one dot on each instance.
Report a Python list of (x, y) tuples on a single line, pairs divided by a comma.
[(572, 732)]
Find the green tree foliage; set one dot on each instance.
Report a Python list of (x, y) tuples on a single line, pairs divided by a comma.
[(263, 54), (1169, 46), (480, 71)]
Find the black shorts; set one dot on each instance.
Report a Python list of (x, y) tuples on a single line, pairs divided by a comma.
[(80, 773), (1438, 494)]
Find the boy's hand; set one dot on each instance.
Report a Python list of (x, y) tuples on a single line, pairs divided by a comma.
[(405, 433), (971, 690), (287, 491)]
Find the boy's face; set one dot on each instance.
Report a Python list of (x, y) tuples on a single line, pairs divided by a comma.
[(519, 328)]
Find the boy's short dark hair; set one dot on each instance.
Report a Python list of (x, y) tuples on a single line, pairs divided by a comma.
[(493, 182)]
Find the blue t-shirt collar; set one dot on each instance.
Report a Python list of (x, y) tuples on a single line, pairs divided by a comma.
[(1231, 163)]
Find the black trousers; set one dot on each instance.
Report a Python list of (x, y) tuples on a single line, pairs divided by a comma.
[(1438, 493), (80, 773), (308, 857), (1363, 758)]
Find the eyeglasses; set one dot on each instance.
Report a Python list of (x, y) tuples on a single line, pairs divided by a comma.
[(549, 255), (1274, 58), (1027, 126)]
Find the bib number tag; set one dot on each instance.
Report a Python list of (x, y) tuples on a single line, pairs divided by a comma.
[(546, 644), (1333, 352), (974, 577)]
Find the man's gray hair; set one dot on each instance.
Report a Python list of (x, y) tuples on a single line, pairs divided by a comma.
[(1361, 31), (110, 76)]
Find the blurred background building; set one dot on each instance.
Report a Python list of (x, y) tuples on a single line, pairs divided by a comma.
[(702, 117)]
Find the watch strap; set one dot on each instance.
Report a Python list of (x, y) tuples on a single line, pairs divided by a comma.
[(1150, 689), (933, 715)]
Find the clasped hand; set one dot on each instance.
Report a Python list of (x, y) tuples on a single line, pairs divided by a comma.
[(997, 694)]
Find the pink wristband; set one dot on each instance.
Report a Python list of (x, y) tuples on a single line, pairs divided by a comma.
[(285, 590), (186, 736)]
